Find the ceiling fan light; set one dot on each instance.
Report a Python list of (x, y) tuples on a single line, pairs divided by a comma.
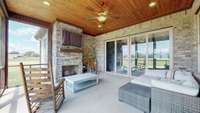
[(101, 18)]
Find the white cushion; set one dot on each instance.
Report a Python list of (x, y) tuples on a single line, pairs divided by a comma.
[(187, 77), (183, 83), (156, 73), (175, 86), (170, 75), (182, 75), (143, 80)]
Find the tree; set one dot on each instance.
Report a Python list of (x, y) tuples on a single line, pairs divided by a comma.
[(14, 52)]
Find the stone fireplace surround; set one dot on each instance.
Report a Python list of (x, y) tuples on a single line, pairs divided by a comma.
[(59, 58)]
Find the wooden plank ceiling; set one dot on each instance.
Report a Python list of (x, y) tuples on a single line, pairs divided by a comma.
[(77, 12)]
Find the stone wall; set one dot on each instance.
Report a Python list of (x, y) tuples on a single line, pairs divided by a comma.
[(184, 37), (64, 58)]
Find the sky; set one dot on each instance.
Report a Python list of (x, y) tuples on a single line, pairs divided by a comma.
[(21, 37)]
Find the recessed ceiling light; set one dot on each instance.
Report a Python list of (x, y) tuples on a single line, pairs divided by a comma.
[(46, 3), (152, 4)]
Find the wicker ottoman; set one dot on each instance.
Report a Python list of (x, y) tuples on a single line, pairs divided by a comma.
[(136, 95)]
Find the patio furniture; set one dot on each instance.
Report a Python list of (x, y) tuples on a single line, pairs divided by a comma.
[(136, 95), (164, 101), (149, 75), (80, 81), (179, 95), (41, 94)]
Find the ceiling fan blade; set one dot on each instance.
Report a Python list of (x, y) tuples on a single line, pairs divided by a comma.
[(105, 5), (91, 9), (100, 2), (91, 18), (114, 17)]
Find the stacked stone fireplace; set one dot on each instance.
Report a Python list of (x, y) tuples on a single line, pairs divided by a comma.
[(64, 63)]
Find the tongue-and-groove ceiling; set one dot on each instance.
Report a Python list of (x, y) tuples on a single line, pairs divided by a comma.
[(77, 12)]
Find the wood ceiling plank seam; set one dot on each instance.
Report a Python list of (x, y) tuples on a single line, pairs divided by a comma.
[(96, 5), (79, 15), (140, 14), (160, 5), (71, 7), (126, 12), (130, 9)]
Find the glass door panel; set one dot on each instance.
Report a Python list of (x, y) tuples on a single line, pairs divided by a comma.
[(138, 55), (110, 56), (122, 56), (158, 50)]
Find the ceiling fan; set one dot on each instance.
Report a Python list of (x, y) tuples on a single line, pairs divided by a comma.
[(103, 15)]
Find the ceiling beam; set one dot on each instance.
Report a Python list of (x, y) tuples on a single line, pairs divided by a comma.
[(28, 20)]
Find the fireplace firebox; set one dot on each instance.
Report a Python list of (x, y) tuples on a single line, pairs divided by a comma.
[(69, 70)]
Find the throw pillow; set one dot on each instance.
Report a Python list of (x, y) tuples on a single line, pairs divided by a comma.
[(170, 75)]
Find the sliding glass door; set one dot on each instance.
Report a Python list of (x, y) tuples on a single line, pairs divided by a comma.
[(138, 55), (122, 57), (134, 55), (158, 50), (110, 56)]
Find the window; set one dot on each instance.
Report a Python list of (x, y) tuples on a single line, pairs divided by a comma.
[(140, 52), (158, 50), (122, 57)]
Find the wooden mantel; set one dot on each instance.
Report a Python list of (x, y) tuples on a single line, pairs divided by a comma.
[(71, 50)]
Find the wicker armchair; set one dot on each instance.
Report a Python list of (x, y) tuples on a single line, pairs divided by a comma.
[(41, 94)]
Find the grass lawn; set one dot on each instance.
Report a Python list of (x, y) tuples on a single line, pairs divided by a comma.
[(14, 75)]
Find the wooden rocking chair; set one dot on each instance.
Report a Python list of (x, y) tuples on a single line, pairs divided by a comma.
[(41, 94)]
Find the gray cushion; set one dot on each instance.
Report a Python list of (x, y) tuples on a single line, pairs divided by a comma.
[(136, 95), (137, 89)]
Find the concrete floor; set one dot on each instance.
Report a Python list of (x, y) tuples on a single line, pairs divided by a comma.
[(13, 101), (102, 98)]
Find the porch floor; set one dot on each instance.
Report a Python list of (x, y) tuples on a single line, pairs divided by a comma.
[(102, 98)]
